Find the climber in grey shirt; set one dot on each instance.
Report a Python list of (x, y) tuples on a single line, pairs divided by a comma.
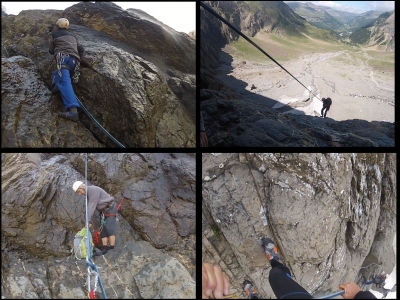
[(99, 199)]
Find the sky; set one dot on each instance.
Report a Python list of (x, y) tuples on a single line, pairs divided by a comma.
[(355, 6), (181, 16)]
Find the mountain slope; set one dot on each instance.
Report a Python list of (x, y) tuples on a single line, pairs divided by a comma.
[(380, 33), (364, 19), (316, 15), (328, 18)]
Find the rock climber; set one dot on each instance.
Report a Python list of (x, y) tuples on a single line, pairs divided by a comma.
[(102, 201), (203, 135), (67, 51), (327, 102), (215, 284)]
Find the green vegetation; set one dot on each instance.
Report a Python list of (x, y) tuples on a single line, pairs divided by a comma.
[(245, 50), (360, 36), (380, 65), (216, 231), (317, 190)]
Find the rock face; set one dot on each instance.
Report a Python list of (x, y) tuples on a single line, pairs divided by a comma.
[(329, 214), (137, 79), (155, 236), (382, 31), (237, 123)]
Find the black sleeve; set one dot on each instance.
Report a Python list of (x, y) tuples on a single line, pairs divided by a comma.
[(51, 46), (364, 295), (80, 49)]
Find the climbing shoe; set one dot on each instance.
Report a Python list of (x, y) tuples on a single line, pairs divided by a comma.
[(270, 249), (69, 116), (105, 249), (249, 289)]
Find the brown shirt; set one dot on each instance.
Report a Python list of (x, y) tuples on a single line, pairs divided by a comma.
[(63, 41)]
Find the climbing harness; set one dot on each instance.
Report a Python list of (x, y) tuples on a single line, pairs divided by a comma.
[(213, 12), (60, 58), (92, 269), (112, 215), (98, 124), (103, 215)]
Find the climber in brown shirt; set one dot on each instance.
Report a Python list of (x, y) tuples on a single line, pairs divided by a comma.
[(66, 50)]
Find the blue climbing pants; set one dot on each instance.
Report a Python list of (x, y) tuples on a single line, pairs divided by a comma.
[(283, 285), (64, 83)]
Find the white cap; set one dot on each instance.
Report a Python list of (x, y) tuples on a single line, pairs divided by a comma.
[(62, 23), (76, 185)]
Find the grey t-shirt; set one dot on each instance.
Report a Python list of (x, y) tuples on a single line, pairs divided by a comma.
[(97, 199)]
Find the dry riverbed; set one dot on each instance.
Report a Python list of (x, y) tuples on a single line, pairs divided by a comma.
[(357, 89)]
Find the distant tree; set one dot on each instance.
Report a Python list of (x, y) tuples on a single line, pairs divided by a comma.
[(3, 8)]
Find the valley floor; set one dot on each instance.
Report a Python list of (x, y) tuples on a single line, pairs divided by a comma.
[(361, 86)]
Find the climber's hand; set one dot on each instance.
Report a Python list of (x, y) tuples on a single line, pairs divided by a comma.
[(350, 290), (214, 282)]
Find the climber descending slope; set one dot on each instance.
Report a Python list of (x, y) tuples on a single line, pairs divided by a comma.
[(66, 50), (215, 282)]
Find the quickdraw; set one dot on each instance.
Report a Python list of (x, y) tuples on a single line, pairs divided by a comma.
[(92, 293), (60, 58)]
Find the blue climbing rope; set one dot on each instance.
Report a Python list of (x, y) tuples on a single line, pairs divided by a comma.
[(98, 124), (91, 266), (331, 295)]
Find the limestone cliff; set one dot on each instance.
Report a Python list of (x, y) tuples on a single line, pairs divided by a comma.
[(154, 253), (330, 214), (137, 79)]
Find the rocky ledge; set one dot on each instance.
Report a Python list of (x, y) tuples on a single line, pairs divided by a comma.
[(233, 122)]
